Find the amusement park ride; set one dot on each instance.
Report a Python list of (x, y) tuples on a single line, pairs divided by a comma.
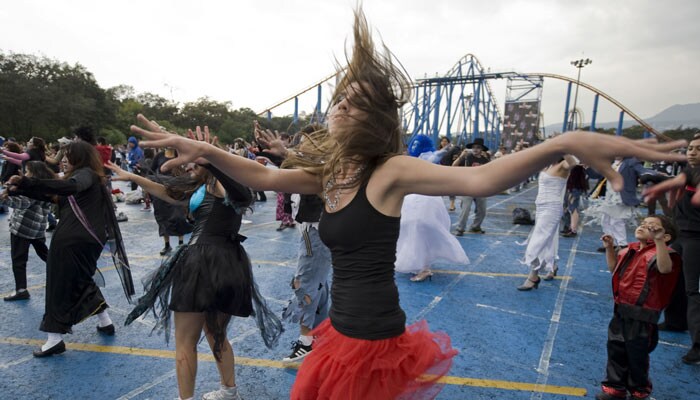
[(461, 105)]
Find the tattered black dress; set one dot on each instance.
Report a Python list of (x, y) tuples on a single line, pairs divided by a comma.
[(171, 218), (212, 272)]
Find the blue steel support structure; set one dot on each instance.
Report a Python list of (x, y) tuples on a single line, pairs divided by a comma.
[(437, 113), (595, 111), (565, 126), (459, 104), (296, 111), (618, 132), (319, 116)]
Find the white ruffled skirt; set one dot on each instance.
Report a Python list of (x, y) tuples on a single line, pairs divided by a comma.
[(425, 235)]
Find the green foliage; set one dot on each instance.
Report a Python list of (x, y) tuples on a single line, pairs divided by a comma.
[(47, 98), (113, 136), (682, 133)]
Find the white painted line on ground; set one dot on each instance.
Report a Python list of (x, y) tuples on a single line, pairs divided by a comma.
[(459, 278), (143, 388), (510, 198), (584, 292), (16, 362), (139, 390), (543, 366), (682, 346), (595, 253), (244, 335), (513, 312)]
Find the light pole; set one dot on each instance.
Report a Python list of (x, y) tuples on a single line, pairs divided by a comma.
[(578, 64)]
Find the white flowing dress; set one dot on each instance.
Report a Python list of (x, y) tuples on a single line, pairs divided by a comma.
[(543, 241), (425, 237)]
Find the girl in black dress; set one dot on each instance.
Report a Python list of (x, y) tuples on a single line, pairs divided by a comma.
[(208, 280), (365, 350), (171, 218)]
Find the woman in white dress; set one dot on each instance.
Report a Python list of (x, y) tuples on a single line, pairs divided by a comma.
[(424, 235), (543, 242)]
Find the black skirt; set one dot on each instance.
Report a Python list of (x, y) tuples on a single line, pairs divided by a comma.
[(171, 218), (71, 292), (213, 277)]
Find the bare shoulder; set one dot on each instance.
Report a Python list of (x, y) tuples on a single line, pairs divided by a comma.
[(397, 167), (400, 162)]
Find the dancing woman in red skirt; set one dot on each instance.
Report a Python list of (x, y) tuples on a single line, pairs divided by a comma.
[(365, 350)]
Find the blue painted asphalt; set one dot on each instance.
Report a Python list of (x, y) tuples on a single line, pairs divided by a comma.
[(554, 336)]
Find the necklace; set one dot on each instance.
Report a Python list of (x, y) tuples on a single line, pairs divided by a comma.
[(331, 185)]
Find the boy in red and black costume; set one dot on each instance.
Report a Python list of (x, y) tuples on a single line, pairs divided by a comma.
[(643, 278)]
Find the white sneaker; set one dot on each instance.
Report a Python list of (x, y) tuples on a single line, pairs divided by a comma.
[(224, 393)]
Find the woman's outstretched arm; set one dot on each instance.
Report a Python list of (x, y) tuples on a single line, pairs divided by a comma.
[(154, 188), (597, 150), (248, 172)]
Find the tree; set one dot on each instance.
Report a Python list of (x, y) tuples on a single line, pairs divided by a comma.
[(47, 98)]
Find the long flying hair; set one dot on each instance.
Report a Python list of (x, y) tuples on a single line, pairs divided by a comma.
[(182, 186), (382, 89)]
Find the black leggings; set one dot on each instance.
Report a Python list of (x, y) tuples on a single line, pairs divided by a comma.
[(19, 249)]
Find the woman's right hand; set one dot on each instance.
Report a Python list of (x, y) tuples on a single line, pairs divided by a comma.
[(119, 174), (269, 139)]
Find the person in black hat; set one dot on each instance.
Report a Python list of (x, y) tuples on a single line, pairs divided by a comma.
[(477, 156)]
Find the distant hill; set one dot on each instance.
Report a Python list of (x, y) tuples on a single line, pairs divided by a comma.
[(687, 115), (679, 114)]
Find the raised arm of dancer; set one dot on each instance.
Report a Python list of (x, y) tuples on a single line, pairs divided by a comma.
[(154, 188), (689, 178), (56, 159), (248, 172), (598, 151), (11, 159), (235, 191), (610, 253), (39, 188), (19, 156)]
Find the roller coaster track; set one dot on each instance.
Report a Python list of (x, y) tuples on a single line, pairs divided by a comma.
[(466, 59), (619, 105), (290, 98), (505, 75), (453, 75)]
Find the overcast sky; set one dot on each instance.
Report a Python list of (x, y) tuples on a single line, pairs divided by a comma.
[(256, 53)]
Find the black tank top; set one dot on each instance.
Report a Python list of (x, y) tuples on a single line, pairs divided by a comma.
[(365, 300)]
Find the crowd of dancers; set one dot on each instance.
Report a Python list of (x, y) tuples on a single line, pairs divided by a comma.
[(354, 192)]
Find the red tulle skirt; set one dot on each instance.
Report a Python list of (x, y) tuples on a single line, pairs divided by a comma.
[(404, 367)]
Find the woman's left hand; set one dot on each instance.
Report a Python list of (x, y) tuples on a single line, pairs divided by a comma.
[(203, 136), (187, 150), (599, 151)]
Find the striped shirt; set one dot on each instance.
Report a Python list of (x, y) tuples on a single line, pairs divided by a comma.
[(29, 216)]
